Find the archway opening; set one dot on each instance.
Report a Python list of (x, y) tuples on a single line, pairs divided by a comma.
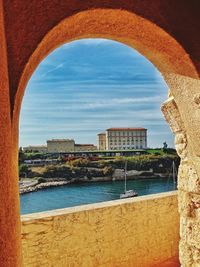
[(78, 91)]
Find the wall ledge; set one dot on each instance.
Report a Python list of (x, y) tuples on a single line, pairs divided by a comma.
[(95, 206)]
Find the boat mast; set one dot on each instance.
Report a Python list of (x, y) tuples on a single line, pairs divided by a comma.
[(125, 169), (174, 172)]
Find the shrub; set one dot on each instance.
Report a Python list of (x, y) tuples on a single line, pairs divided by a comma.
[(24, 170), (81, 162), (57, 172), (79, 172), (107, 170)]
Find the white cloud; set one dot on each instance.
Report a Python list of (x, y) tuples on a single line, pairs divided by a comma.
[(119, 101), (74, 104), (53, 69)]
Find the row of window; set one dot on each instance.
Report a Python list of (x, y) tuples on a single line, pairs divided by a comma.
[(127, 143), (126, 138), (127, 134)]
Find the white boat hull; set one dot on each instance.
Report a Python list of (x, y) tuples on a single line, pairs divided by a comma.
[(128, 194)]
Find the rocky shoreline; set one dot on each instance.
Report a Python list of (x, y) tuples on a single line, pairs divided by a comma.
[(40, 186), (118, 175)]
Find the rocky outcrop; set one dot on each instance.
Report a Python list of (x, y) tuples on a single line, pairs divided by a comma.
[(39, 186), (118, 174)]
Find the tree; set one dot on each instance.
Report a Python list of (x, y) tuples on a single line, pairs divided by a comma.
[(165, 145), (22, 156), (24, 170)]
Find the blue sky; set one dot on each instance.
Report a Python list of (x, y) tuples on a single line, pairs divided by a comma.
[(87, 86)]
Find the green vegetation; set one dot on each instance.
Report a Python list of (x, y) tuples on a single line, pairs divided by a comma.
[(57, 171), (157, 163), (24, 170), (162, 151), (81, 162), (66, 171), (28, 156), (155, 160), (27, 171)]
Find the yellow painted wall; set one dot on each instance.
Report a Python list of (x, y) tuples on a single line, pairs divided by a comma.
[(60, 145), (136, 232)]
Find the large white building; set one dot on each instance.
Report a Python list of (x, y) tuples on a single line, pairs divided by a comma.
[(125, 138)]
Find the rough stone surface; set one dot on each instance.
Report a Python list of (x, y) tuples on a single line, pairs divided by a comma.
[(188, 178), (131, 233), (172, 115), (189, 171)]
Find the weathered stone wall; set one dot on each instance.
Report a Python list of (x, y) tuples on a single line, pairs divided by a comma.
[(133, 233), (189, 173)]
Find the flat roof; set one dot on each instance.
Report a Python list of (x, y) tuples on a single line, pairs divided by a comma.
[(60, 140), (126, 129)]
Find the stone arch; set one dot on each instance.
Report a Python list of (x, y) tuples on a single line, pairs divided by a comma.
[(181, 109)]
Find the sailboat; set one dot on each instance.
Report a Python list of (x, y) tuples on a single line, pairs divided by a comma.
[(127, 193), (174, 174)]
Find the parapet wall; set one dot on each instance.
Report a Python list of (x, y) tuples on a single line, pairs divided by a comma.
[(136, 232)]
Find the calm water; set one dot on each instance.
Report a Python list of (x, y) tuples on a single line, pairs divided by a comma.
[(85, 193)]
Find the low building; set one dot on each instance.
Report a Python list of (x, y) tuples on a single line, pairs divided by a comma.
[(85, 147), (35, 149), (102, 141), (60, 145)]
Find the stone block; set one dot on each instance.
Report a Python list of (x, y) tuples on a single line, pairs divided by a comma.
[(185, 254), (188, 179)]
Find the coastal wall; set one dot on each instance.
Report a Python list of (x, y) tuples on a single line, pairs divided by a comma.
[(137, 232)]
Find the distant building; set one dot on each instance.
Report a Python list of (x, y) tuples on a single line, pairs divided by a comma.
[(68, 145), (123, 139), (102, 141), (35, 149), (126, 138), (60, 145), (84, 147)]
